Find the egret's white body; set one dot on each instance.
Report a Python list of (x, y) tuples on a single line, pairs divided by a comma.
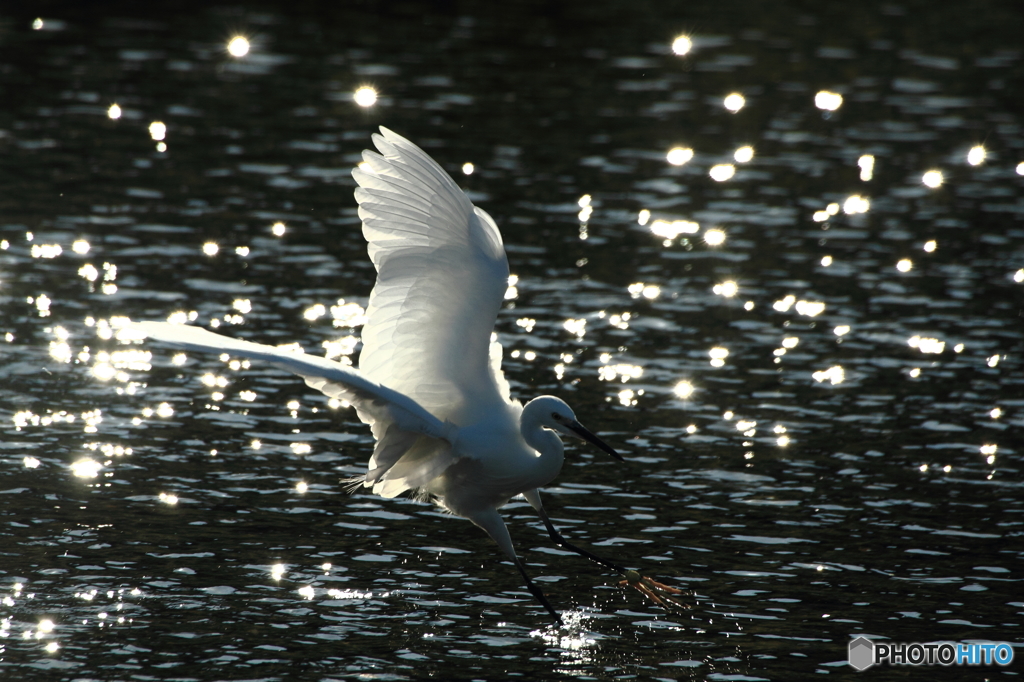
[(429, 382)]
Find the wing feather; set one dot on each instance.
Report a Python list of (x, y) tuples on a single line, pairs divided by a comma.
[(413, 446), (441, 277)]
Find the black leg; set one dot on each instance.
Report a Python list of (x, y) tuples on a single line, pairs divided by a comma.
[(535, 591), (562, 542), (491, 522)]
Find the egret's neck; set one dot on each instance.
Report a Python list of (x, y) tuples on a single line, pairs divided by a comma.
[(545, 441)]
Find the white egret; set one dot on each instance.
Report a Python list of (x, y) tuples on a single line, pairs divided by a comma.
[(429, 382)]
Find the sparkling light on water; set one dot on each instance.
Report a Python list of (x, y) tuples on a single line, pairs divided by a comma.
[(828, 101), (238, 46), (734, 102), (677, 156), (684, 389), (365, 96), (932, 178), (722, 172), (714, 237), (681, 45), (867, 167), (976, 156)]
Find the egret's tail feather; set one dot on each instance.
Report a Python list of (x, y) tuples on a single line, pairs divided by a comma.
[(353, 483)]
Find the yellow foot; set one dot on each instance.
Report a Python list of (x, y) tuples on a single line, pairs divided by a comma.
[(659, 593)]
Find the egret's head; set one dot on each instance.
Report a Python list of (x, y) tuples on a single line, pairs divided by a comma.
[(556, 415)]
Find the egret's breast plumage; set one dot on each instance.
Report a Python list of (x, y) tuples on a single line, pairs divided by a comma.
[(492, 464)]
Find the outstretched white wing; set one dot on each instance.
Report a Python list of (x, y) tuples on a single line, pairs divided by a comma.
[(413, 446), (441, 278)]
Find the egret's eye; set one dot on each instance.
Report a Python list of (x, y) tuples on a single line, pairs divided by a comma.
[(558, 418)]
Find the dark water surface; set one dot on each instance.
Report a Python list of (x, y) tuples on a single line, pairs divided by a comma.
[(847, 463)]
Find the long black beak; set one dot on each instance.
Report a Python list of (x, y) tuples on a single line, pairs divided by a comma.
[(582, 432)]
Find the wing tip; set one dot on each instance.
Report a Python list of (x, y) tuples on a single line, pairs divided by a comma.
[(389, 133), (403, 146)]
